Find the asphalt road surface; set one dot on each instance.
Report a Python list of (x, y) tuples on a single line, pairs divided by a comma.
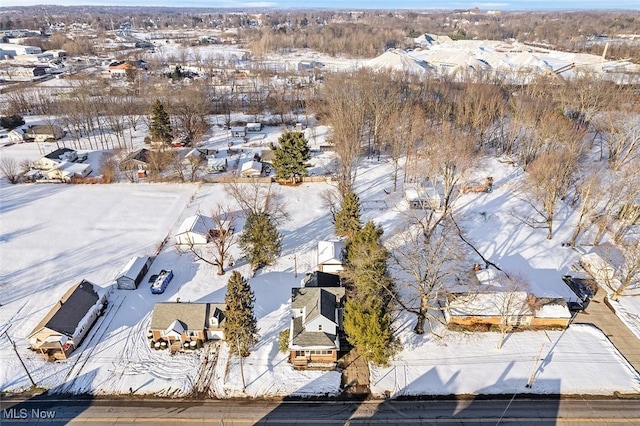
[(545, 411)]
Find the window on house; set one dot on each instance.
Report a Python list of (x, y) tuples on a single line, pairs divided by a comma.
[(192, 333), (319, 327)]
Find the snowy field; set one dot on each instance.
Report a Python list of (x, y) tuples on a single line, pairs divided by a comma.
[(54, 235)]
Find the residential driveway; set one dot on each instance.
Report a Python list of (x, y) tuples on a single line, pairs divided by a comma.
[(600, 315), (355, 373)]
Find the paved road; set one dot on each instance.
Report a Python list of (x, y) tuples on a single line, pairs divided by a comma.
[(600, 315), (546, 411)]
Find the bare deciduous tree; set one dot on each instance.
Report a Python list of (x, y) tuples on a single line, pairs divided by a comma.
[(258, 199), (108, 167), (343, 107), (425, 266), (10, 169), (511, 303), (442, 163), (621, 134), (223, 238), (548, 180), (627, 272)]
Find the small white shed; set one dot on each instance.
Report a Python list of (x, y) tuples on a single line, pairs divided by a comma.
[(195, 230), (330, 256), (238, 131), (420, 197), (251, 169), (134, 271)]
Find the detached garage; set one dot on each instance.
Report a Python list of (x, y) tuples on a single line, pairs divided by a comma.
[(195, 229), (133, 273)]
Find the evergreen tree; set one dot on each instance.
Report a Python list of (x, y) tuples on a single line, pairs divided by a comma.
[(367, 319), (291, 155), (260, 240), (347, 219), (240, 324), (10, 122), (160, 127), (367, 263), (368, 327)]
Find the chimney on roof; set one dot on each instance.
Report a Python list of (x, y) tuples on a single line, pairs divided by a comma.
[(177, 300)]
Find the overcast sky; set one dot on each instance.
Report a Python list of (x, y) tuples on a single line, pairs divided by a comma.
[(356, 4)]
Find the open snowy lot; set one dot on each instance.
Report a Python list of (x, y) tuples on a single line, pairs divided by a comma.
[(54, 235)]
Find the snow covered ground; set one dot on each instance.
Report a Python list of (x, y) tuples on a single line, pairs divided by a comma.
[(578, 360), (53, 235)]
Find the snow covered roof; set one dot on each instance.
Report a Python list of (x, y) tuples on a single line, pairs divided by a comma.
[(61, 154), (65, 316), (251, 165), (553, 309), (133, 267), (176, 327), (330, 252), (486, 304), (398, 60), (198, 224)]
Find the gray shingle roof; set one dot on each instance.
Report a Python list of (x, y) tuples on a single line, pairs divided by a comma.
[(192, 315), (317, 301), (310, 338), (67, 313)]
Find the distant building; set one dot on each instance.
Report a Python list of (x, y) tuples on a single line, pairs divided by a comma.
[(53, 159), (44, 133), (13, 50)]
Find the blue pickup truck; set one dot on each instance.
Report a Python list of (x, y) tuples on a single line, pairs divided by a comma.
[(161, 281)]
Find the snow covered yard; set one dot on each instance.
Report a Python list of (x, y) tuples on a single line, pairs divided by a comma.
[(53, 235), (579, 360)]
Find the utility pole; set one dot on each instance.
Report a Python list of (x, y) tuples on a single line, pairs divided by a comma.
[(533, 369), (18, 355), (295, 265)]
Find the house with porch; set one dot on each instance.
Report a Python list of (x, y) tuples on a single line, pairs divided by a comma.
[(53, 159), (68, 322), (491, 301), (44, 133), (316, 326), (180, 325), (136, 160)]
